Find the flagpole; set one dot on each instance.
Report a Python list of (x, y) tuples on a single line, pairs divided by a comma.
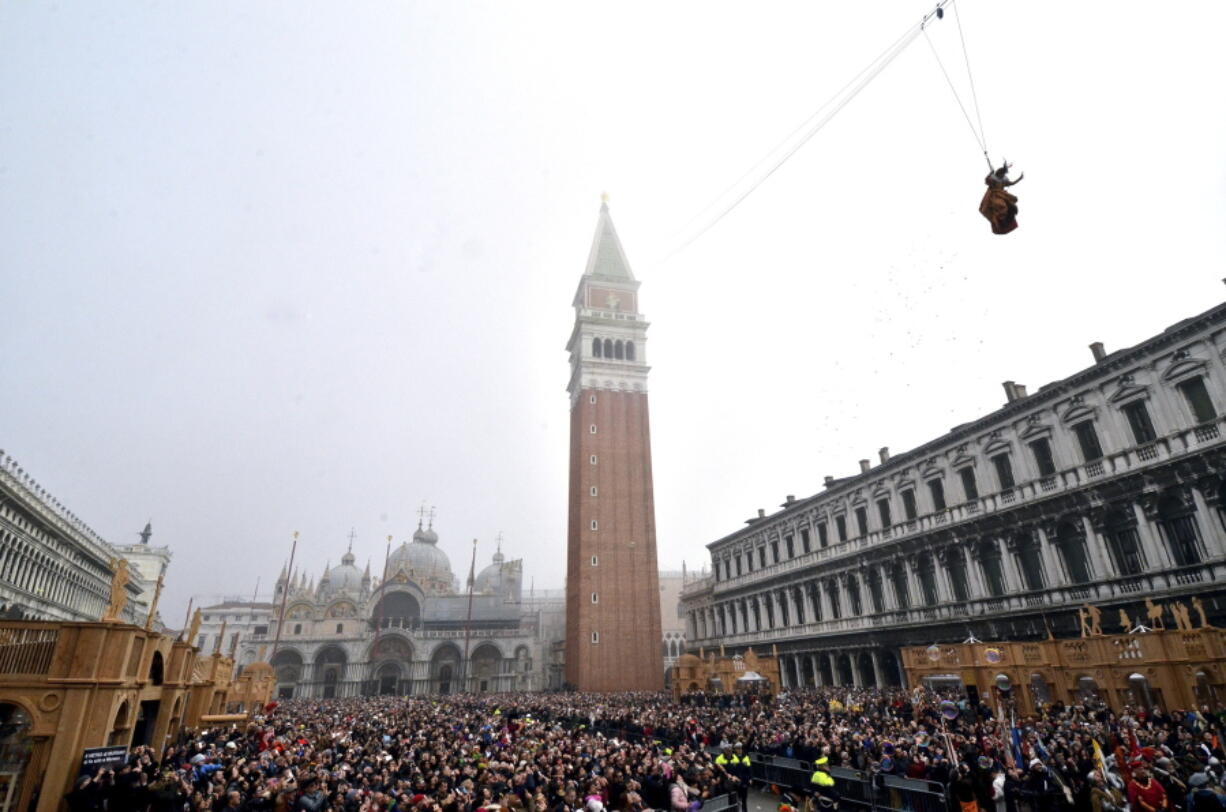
[(284, 597), (468, 622), (374, 647)]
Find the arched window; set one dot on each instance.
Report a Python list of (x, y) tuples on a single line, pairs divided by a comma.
[(853, 592), (874, 589), (619, 351), (927, 579), (596, 347), (156, 669), (815, 598), (629, 350), (832, 589), (1138, 685), (1178, 523), (1120, 530), (901, 593), (956, 568), (608, 348), (1029, 558), (1072, 546), (989, 562)]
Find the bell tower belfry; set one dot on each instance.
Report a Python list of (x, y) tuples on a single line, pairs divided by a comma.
[(612, 581)]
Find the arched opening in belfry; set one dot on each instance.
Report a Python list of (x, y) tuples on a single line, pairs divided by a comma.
[(619, 350), (596, 348), (608, 348), (629, 350)]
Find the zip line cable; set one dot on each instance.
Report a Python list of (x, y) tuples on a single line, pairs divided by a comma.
[(839, 100), (832, 107), (978, 139), (983, 137), (895, 46)]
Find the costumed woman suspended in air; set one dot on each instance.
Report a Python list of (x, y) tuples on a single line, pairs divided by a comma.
[(998, 205)]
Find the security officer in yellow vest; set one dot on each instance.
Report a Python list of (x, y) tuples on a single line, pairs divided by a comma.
[(822, 783), (737, 765)]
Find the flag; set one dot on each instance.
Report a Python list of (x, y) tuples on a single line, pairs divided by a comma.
[(1017, 748), (1099, 762), (1038, 743)]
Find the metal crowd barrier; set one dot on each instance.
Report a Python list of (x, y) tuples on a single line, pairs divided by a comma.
[(721, 803), (856, 789)]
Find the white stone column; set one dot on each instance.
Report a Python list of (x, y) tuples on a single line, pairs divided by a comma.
[(906, 585), (1008, 568), (827, 604), (800, 672), (810, 612), (793, 614), (1051, 560), (940, 574), (1210, 528), (889, 601), (1156, 555), (974, 576), (857, 679), (1096, 549), (814, 660), (878, 678)]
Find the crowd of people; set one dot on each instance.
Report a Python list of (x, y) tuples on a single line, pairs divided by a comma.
[(571, 752)]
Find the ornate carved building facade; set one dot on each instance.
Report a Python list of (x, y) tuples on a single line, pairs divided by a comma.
[(416, 631), (1105, 487)]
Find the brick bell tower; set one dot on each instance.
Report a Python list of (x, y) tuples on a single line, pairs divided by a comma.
[(612, 580)]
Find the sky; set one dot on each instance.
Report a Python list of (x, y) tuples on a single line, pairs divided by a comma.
[(294, 266)]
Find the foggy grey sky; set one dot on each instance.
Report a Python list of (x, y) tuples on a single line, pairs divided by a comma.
[(300, 266)]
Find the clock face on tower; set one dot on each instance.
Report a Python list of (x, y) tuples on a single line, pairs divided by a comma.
[(600, 298)]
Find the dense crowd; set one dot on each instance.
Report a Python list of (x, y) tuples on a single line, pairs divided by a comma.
[(571, 752)]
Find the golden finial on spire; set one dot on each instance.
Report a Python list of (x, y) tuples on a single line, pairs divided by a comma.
[(604, 198)]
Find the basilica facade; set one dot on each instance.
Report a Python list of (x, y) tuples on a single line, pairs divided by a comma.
[(414, 629)]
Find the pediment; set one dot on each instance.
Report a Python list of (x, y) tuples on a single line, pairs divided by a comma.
[(1183, 367), (1126, 390), (961, 461), (1077, 410), (1034, 431), (997, 446)]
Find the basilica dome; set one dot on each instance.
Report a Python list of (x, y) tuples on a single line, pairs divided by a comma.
[(422, 555), (493, 577), (345, 577)]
